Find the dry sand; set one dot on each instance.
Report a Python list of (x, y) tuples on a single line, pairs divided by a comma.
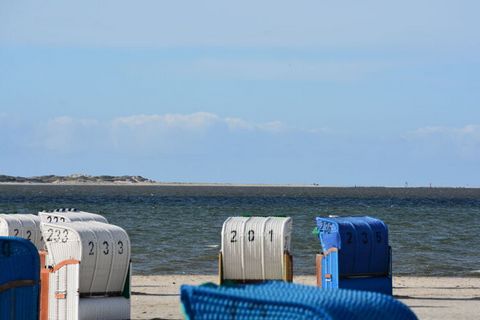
[(157, 297)]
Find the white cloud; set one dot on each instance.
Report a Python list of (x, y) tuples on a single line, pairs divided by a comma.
[(239, 124), (199, 121), (154, 133), (469, 131), (194, 121)]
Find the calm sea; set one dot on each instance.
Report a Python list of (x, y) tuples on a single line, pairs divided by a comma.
[(177, 229)]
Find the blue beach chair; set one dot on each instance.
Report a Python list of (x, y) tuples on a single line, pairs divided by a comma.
[(19, 279), (355, 254), (283, 300)]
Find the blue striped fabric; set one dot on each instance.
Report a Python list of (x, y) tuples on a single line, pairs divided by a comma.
[(282, 300)]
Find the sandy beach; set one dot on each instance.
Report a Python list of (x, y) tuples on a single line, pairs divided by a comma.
[(157, 297)]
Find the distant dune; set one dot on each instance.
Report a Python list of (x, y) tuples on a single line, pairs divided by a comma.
[(77, 179)]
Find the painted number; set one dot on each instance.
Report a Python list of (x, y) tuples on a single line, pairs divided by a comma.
[(105, 248), (56, 238), (49, 218), (349, 238), (364, 237), (251, 235), (15, 232), (65, 236), (325, 226), (29, 235), (271, 235), (234, 235), (120, 247), (50, 233), (92, 246)]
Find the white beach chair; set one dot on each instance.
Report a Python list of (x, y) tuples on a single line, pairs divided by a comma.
[(89, 266), (256, 249)]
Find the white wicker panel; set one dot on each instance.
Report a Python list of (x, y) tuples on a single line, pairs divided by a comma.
[(121, 259), (101, 308), (277, 236), (252, 248), (232, 253), (52, 302), (252, 242), (64, 281), (105, 252), (73, 281)]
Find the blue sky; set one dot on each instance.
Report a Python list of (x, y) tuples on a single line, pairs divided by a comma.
[(347, 93)]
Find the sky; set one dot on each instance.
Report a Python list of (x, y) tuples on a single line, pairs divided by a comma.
[(343, 93)]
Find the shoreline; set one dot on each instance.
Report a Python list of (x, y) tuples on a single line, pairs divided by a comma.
[(157, 297)]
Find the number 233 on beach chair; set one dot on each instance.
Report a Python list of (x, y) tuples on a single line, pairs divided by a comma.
[(89, 271)]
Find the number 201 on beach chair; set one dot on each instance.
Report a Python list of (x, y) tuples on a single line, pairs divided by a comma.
[(256, 249)]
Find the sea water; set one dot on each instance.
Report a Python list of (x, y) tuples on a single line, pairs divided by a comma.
[(176, 229)]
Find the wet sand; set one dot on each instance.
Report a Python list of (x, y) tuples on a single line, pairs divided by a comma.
[(157, 297)]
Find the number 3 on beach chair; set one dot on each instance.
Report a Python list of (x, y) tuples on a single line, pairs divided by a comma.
[(256, 249)]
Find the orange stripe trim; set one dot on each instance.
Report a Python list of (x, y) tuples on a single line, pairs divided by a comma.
[(16, 284), (63, 264), (61, 295)]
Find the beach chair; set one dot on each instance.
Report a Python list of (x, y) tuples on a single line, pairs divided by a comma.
[(19, 279), (89, 271), (355, 254), (256, 249), (283, 300), (25, 226)]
